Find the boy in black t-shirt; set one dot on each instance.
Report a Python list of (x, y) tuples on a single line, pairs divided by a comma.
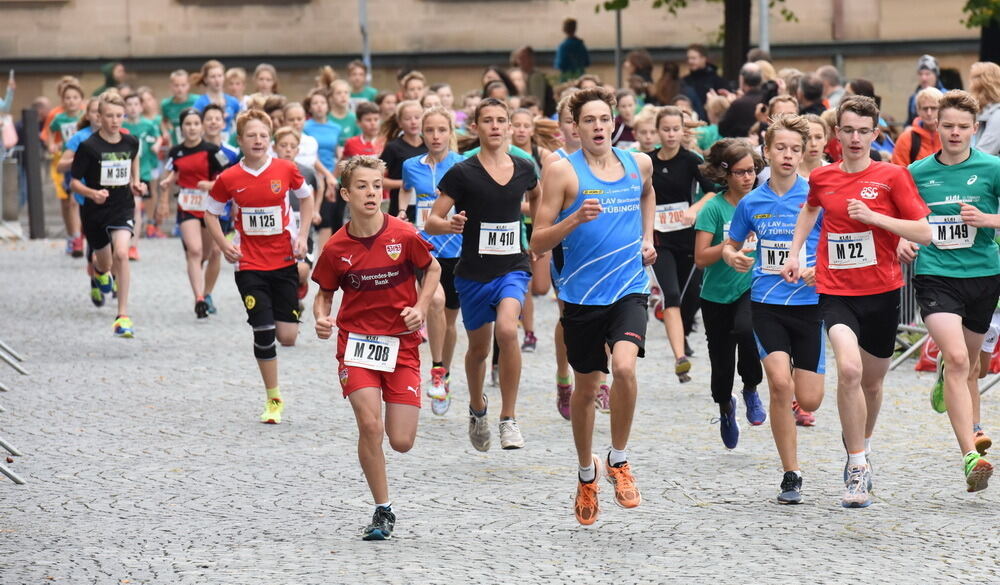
[(492, 274), (109, 160)]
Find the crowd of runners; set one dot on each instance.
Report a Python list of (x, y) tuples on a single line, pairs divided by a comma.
[(776, 211)]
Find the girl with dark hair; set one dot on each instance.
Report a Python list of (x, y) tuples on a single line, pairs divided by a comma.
[(725, 293)]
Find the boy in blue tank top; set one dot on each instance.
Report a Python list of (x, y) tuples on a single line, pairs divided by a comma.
[(598, 205)]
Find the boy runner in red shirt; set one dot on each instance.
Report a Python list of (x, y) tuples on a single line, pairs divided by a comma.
[(266, 245), (867, 206), (374, 260)]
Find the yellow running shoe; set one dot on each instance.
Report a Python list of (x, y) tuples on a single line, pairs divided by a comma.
[(272, 411), (123, 327)]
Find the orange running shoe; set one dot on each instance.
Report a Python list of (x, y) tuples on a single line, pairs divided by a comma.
[(803, 418), (626, 493), (133, 253), (983, 443), (586, 506)]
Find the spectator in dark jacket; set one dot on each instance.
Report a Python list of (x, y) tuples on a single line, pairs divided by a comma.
[(572, 57), (811, 95), (702, 76), (742, 113)]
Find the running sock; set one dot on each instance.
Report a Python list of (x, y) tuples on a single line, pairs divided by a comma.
[(724, 407), (868, 445), (588, 474), (477, 413), (616, 457), (976, 427), (798, 473), (386, 506), (274, 393), (437, 364), (503, 418), (564, 380), (856, 458)]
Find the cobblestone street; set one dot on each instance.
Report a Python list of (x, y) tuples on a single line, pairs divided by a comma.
[(145, 463)]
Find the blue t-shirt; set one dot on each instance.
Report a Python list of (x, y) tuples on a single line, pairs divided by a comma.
[(772, 218), (72, 145), (233, 107), (423, 178), (602, 259), (327, 135)]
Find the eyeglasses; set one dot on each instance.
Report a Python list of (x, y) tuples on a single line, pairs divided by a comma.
[(861, 131), (743, 173)]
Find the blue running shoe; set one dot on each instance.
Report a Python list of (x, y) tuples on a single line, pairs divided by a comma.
[(383, 521), (211, 305), (755, 410), (791, 488), (729, 427), (105, 282)]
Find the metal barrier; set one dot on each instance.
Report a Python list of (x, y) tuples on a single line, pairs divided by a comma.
[(909, 321), (10, 356)]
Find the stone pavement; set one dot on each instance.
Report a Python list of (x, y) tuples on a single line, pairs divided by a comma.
[(146, 464)]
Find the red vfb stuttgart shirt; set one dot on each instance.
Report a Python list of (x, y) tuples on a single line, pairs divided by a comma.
[(265, 231), (377, 275), (854, 258)]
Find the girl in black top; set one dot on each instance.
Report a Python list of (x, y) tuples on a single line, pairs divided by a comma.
[(401, 134), (676, 178), (193, 165)]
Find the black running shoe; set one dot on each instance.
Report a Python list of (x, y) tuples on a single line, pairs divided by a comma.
[(791, 489), (201, 309), (383, 521)]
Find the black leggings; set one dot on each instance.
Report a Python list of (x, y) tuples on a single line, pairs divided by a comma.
[(673, 267), (728, 328)]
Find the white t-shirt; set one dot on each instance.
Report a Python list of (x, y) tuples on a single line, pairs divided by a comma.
[(308, 151)]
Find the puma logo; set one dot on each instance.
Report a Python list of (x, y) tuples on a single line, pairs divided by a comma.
[(347, 259), (415, 391)]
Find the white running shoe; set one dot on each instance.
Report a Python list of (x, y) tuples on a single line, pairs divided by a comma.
[(510, 435)]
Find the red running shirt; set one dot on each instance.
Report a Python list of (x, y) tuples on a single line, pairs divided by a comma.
[(202, 162), (853, 258), (377, 275), (265, 231), (357, 145)]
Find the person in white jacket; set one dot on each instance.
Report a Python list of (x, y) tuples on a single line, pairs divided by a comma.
[(985, 86)]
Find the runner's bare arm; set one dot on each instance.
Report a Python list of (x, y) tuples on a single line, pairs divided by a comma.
[(559, 186), (65, 161), (804, 225), (306, 210), (915, 230), (971, 215), (415, 316), (705, 254), (732, 254), (321, 313), (437, 222), (648, 206), (405, 197)]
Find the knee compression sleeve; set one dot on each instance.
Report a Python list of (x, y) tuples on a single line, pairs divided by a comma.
[(264, 346)]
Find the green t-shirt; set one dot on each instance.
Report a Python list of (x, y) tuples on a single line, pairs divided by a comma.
[(367, 93), (348, 126), (720, 283), (958, 250), (64, 126), (171, 112), (146, 131), (707, 136)]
